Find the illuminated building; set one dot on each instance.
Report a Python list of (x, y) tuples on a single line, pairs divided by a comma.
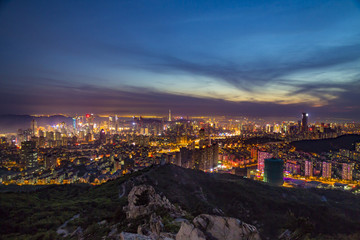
[(276, 128), (215, 148), (57, 136), (261, 158), (50, 161), (28, 153), (33, 127), (254, 154), (169, 116), (144, 131), (347, 171), (74, 123), (116, 124), (309, 168), (326, 170), (292, 167), (357, 146), (102, 138), (268, 128), (90, 121), (82, 135), (304, 122)]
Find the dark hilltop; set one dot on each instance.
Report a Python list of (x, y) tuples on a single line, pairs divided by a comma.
[(310, 213)]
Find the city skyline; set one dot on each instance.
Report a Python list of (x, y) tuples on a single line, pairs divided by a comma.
[(259, 59)]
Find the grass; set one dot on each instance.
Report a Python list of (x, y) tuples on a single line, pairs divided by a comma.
[(38, 214)]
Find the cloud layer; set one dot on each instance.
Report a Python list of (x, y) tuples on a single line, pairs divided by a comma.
[(243, 58)]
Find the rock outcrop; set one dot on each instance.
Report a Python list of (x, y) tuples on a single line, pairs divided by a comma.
[(145, 203), (189, 231), (213, 227), (143, 200)]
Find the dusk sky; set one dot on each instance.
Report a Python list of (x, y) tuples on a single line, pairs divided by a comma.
[(254, 58)]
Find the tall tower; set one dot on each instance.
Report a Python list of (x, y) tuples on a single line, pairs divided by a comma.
[(116, 124), (33, 126), (169, 115), (304, 122)]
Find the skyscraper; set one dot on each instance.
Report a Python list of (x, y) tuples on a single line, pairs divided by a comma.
[(169, 115), (102, 137), (261, 159), (326, 170), (33, 127), (29, 154), (347, 170), (304, 122), (308, 168)]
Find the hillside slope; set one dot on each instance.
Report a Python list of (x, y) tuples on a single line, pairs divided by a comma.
[(325, 214)]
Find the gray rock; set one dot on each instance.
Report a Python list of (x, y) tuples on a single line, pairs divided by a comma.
[(103, 222), (113, 232), (78, 232), (167, 236), (189, 232), (133, 236), (156, 225), (218, 228), (135, 209)]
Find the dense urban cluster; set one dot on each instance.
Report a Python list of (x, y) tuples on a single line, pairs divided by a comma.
[(94, 149)]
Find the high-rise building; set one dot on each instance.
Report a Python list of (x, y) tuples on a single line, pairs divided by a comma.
[(254, 154), (268, 128), (102, 137), (274, 171), (347, 170), (29, 154), (169, 116), (116, 124), (33, 127), (261, 158), (326, 170), (304, 122), (215, 149), (309, 168)]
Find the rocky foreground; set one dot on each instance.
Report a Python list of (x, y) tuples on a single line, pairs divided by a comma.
[(169, 202), (145, 204)]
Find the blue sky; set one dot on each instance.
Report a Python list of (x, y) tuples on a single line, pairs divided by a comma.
[(256, 58)]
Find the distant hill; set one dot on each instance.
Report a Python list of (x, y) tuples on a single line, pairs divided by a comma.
[(323, 214), (11, 123), (327, 145)]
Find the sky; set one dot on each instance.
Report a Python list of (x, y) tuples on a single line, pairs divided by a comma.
[(249, 58)]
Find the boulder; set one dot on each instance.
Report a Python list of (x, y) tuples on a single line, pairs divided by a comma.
[(189, 232), (143, 200), (217, 228)]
